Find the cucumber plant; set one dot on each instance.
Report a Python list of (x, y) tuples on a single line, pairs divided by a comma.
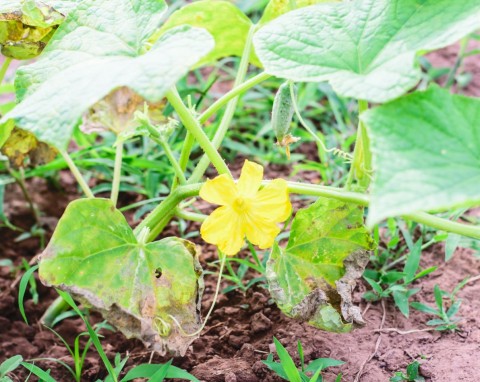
[(110, 68)]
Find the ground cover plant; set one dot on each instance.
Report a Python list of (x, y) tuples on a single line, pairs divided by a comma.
[(108, 93)]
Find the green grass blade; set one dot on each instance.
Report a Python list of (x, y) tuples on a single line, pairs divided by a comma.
[(287, 362), (22, 289), (38, 372), (10, 364), (93, 335)]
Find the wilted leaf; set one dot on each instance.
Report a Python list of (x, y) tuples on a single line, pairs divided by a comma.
[(24, 150), (223, 20), (312, 279), (138, 287), (365, 48), (426, 153), (115, 112), (102, 46), (27, 25)]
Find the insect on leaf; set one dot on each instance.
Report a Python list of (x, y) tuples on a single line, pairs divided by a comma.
[(426, 153), (366, 49), (102, 46), (95, 256), (313, 277)]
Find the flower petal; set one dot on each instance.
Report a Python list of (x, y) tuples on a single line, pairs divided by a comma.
[(260, 231), (250, 179), (273, 202), (221, 190), (224, 229)]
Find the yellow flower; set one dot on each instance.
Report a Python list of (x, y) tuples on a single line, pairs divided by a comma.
[(244, 211)]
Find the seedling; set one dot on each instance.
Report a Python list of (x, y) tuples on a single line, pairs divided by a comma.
[(447, 305), (287, 370), (397, 284), (412, 375), (115, 86)]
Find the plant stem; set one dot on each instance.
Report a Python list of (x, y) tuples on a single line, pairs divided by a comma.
[(444, 224), (230, 110), (240, 89), (53, 311), (4, 68), (20, 179), (117, 173), (78, 176), (184, 156), (461, 56), (192, 216), (168, 152), (192, 125), (362, 157), (162, 214)]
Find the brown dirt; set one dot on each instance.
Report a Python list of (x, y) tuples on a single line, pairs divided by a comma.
[(239, 334)]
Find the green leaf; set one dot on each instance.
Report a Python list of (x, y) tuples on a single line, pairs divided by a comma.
[(10, 364), (223, 20), (43, 375), (277, 8), (287, 362), (103, 45), (451, 245), (311, 278), (365, 48), (26, 26), (95, 256), (148, 370), (426, 153)]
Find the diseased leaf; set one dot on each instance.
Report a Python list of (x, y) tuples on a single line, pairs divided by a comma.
[(277, 8), (24, 150), (313, 277), (426, 153), (102, 46), (116, 111), (27, 25), (365, 48), (223, 20), (138, 287)]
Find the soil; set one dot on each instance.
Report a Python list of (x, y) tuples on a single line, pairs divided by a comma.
[(239, 334)]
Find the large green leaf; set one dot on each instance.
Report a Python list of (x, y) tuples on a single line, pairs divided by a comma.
[(27, 25), (426, 153), (100, 47), (223, 20), (365, 48), (313, 277), (138, 287)]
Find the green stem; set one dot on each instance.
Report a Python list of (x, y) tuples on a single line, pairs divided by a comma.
[(4, 68), (192, 125), (162, 214), (461, 56), (168, 152), (314, 135), (361, 168), (444, 224), (53, 311), (76, 173), (184, 156), (236, 91), (191, 216), (230, 110), (117, 173)]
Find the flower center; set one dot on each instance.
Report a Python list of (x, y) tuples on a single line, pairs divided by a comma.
[(240, 204)]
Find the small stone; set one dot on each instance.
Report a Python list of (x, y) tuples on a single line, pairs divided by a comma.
[(230, 377)]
